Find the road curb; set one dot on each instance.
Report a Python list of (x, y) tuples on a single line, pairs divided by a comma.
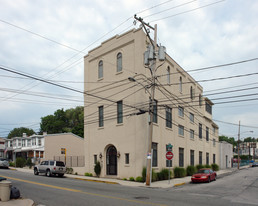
[(100, 181), (179, 184)]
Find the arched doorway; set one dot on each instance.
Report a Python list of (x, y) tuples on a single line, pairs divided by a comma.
[(111, 161)]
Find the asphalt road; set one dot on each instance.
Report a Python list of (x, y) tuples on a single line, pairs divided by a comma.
[(239, 188)]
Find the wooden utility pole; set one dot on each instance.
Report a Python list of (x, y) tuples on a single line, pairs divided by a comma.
[(238, 158)]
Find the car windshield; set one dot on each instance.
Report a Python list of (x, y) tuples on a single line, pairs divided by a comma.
[(2, 159), (60, 164), (204, 171)]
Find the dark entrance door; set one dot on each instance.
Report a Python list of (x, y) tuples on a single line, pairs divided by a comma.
[(111, 161)]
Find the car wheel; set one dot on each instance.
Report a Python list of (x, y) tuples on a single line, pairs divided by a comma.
[(36, 171), (60, 175), (48, 173), (209, 179)]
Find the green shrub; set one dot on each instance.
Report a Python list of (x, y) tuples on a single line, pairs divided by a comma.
[(139, 179), (20, 162), (131, 178), (207, 166), (29, 163), (124, 179), (69, 170), (179, 172), (76, 173), (144, 174), (97, 168), (190, 170), (199, 167), (163, 174), (154, 176), (88, 174), (215, 167), (11, 164)]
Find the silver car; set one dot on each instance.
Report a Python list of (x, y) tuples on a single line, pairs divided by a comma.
[(50, 167), (4, 163)]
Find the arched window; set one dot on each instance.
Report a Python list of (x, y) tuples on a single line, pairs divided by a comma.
[(100, 70), (168, 75), (180, 85), (119, 62)]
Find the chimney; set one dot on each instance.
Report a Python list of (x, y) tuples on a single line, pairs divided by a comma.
[(24, 135), (44, 133)]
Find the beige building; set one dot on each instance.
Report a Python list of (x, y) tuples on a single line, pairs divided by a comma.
[(116, 111), (66, 147)]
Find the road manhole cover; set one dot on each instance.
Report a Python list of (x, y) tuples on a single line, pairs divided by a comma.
[(141, 198)]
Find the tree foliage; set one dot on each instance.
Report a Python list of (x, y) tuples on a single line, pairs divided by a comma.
[(17, 132), (70, 120), (230, 140)]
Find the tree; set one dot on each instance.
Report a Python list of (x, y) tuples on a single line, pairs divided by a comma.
[(230, 140), (70, 120), (18, 132)]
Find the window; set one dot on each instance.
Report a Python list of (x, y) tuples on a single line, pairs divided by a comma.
[(181, 157), (52, 163), (95, 159), (214, 130), (207, 133), (200, 131), (39, 142), (208, 108), (191, 134), (168, 75), (180, 84), (29, 143), (214, 142), (200, 100), (155, 154), (119, 62), (101, 116), (168, 117), (207, 158), (19, 143), (120, 112), (11, 143), (192, 157), (155, 111), (191, 92), (191, 117), (200, 158), (168, 163), (214, 158), (181, 111), (181, 130), (127, 158), (23, 142), (100, 70), (33, 142)]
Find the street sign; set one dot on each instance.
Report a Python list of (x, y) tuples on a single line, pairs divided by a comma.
[(169, 155), (169, 147)]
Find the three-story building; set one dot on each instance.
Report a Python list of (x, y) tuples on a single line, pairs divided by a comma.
[(117, 111)]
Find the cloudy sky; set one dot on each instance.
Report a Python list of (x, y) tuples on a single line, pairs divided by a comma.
[(48, 39)]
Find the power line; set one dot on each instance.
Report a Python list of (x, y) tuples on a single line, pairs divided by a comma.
[(230, 123), (188, 11)]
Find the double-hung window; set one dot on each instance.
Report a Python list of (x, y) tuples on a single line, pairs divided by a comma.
[(120, 112), (181, 111), (100, 69), (101, 116), (168, 117), (181, 130)]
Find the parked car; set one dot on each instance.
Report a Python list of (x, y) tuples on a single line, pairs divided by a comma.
[(50, 167), (204, 175), (255, 164), (4, 163)]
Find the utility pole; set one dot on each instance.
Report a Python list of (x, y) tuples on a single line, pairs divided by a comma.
[(152, 101), (238, 158)]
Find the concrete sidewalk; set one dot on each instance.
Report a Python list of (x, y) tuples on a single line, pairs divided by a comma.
[(159, 184)]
